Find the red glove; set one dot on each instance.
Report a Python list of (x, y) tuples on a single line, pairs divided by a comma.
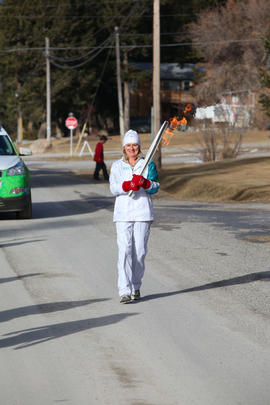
[(141, 181), (130, 185)]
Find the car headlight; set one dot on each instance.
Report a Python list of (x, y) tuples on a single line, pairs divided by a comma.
[(16, 170)]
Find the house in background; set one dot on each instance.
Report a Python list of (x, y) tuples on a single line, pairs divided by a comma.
[(231, 110), (175, 83)]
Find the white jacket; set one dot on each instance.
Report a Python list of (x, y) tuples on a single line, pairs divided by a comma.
[(139, 206)]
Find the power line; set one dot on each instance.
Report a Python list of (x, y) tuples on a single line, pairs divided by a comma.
[(91, 53), (68, 48), (80, 17), (126, 34), (52, 59), (193, 43), (14, 50), (100, 78), (3, 6), (104, 43), (75, 58)]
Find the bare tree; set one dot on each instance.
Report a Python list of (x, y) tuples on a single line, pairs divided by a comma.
[(229, 40), (219, 142)]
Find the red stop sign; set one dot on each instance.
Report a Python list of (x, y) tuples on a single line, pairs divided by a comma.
[(71, 123)]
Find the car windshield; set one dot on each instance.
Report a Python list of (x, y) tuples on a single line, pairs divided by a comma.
[(6, 148)]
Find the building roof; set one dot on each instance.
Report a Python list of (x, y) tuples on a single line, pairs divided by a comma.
[(169, 71)]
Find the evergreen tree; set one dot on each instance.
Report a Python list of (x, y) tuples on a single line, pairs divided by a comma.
[(23, 73), (83, 77)]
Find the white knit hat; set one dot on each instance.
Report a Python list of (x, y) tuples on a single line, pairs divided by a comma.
[(131, 137)]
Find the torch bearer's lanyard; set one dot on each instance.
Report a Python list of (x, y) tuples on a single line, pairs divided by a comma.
[(136, 164)]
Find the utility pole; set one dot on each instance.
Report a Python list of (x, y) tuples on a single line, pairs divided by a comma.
[(126, 93), (19, 127), (48, 88), (119, 85), (19, 118), (156, 76)]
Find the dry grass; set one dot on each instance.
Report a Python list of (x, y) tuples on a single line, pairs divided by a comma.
[(180, 139), (235, 180), (229, 180)]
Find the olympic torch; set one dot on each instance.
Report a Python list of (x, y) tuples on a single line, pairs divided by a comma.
[(151, 151)]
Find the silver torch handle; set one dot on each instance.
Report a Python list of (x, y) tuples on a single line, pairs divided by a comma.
[(152, 149)]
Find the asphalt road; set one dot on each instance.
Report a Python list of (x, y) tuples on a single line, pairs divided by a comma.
[(200, 334), (170, 155)]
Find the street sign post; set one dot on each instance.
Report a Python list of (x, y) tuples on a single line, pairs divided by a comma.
[(71, 123)]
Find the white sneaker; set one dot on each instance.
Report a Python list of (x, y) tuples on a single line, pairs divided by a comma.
[(135, 295), (124, 299)]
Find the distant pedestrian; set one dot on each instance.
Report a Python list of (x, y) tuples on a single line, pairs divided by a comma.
[(99, 159)]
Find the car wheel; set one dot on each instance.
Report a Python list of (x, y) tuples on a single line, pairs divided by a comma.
[(27, 212)]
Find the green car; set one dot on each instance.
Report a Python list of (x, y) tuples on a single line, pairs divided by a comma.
[(15, 191)]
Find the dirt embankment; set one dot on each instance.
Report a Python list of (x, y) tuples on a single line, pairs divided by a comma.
[(229, 180), (234, 180)]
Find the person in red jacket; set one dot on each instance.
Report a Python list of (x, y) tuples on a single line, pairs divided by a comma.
[(99, 159)]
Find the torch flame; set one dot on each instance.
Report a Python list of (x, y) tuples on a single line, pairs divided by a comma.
[(175, 122)]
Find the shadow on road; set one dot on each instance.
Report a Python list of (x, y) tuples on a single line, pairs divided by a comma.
[(242, 222), (16, 278), (248, 278), (55, 209), (18, 243), (84, 205), (45, 308), (29, 337), (56, 178)]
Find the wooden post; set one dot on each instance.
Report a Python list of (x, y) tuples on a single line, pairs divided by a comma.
[(126, 94), (48, 90), (156, 77), (119, 84)]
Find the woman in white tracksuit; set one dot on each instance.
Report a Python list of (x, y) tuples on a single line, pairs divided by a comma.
[(132, 214)]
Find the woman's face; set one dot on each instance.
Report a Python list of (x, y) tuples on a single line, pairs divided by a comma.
[(132, 150)]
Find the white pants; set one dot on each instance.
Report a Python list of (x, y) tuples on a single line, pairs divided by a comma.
[(132, 238)]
